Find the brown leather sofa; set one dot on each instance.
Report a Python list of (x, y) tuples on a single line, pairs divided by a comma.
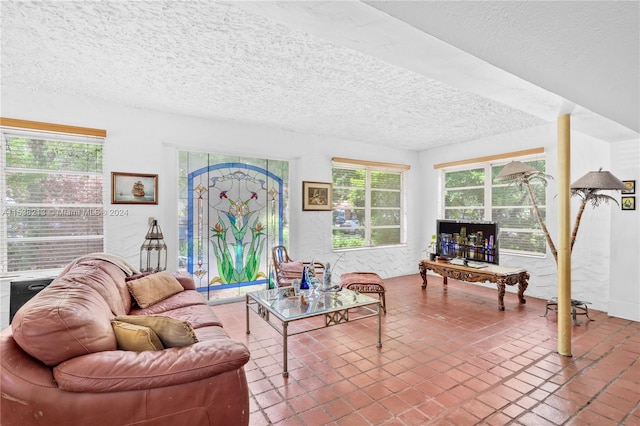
[(60, 362)]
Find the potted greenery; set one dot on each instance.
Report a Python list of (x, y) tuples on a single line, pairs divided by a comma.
[(431, 249)]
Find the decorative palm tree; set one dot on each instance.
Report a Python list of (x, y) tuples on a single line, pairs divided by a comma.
[(586, 188), (523, 175)]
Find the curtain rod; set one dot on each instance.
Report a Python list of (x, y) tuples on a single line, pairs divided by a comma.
[(490, 158), (51, 127), (371, 163)]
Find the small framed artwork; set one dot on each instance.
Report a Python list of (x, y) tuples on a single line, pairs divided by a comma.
[(628, 203), (631, 184), (134, 188), (316, 196)]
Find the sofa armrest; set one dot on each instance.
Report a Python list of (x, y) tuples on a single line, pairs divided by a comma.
[(112, 371), (19, 370)]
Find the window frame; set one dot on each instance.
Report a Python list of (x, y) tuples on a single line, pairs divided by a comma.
[(487, 164), (368, 167), (54, 133)]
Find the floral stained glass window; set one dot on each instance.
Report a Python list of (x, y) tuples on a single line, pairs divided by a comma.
[(232, 211)]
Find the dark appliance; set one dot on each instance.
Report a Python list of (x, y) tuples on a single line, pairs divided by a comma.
[(23, 290)]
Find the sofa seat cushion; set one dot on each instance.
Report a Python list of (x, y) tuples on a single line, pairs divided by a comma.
[(132, 337), (114, 371), (210, 333), (153, 288), (172, 332)]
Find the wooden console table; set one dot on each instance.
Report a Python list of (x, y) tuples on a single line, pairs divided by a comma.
[(501, 275)]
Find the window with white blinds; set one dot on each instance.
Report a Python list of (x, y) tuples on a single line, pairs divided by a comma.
[(368, 204), (471, 192), (53, 208)]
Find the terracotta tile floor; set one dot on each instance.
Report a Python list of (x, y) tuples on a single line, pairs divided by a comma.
[(449, 357)]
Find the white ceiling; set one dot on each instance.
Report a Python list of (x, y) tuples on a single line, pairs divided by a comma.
[(586, 51), (380, 72)]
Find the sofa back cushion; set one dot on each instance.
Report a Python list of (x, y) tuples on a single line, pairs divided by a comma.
[(72, 316)]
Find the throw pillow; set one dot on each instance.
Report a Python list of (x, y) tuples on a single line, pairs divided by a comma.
[(137, 338), (172, 332), (153, 288)]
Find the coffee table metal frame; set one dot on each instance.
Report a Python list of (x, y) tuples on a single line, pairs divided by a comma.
[(286, 308)]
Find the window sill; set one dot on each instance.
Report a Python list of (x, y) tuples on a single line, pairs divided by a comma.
[(522, 254), (349, 249)]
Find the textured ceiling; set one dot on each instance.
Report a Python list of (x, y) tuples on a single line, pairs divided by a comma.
[(586, 51), (343, 69)]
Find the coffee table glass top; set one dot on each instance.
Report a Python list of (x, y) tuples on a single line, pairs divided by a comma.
[(282, 301)]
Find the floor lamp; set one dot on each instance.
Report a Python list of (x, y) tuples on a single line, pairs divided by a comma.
[(586, 188)]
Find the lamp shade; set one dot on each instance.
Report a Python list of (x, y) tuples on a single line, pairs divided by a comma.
[(599, 180), (513, 170), (153, 252)]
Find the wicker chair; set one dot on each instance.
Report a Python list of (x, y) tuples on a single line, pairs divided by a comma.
[(286, 269)]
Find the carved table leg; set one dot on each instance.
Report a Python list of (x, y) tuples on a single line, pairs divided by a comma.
[(423, 274), (522, 286), (501, 290)]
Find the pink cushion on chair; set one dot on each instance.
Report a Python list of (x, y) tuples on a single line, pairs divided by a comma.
[(292, 267), (365, 282), (360, 278)]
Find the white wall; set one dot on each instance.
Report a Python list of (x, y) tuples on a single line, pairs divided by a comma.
[(594, 260), (146, 141), (624, 279)]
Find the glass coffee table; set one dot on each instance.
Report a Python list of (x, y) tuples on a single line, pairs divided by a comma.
[(280, 306)]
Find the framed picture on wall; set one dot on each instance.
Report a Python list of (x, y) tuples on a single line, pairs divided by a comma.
[(628, 203), (316, 196), (134, 188), (631, 184)]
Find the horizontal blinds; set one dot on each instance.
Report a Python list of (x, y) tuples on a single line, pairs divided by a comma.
[(53, 209)]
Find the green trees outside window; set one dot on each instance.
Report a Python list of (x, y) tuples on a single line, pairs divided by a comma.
[(52, 211), (473, 193), (367, 210)]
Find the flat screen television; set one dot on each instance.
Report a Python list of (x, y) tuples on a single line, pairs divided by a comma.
[(472, 240)]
